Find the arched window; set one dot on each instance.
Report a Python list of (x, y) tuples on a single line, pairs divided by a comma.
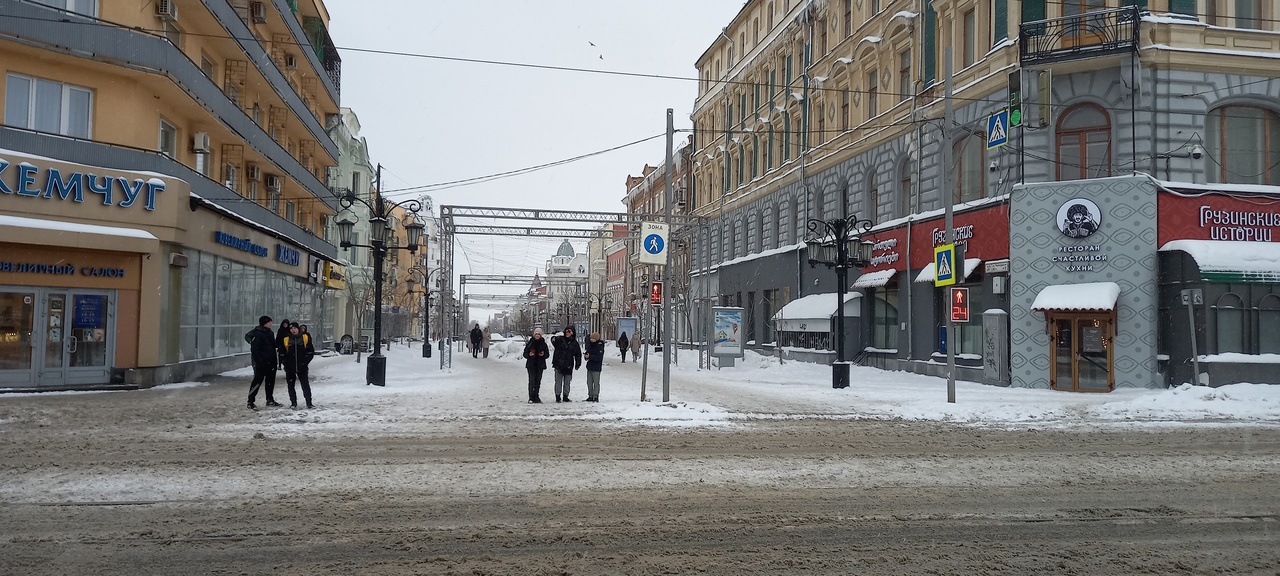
[(738, 242), (1269, 325), (1243, 145), (1229, 323), (904, 187), (762, 241), (819, 204), (753, 236), (874, 204), (967, 174), (797, 220), (1084, 143), (780, 228)]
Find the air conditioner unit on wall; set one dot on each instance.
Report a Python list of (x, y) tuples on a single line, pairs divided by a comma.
[(258, 12), (200, 142), (167, 9), (273, 182)]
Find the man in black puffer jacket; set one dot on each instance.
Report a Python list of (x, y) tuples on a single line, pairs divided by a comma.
[(298, 352), (262, 352), (566, 358)]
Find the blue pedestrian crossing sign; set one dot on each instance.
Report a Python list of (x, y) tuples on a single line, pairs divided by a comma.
[(653, 244), (998, 129), (944, 265)]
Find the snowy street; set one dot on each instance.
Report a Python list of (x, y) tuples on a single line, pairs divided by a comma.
[(760, 468)]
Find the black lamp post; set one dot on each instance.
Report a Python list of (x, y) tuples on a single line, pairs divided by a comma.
[(838, 244), (380, 218), (426, 304)]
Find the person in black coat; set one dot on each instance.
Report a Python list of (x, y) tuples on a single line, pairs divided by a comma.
[(535, 354), (623, 346), (595, 364), (262, 353), (476, 336), (280, 335), (298, 352), (566, 358)]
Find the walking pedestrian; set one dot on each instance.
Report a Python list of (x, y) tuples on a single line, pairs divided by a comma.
[(635, 348), (476, 336), (535, 355), (622, 346), (484, 343), (595, 364), (262, 354), (566, 358), (298, 352)]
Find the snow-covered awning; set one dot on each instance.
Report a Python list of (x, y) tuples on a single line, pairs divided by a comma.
[(1232, 261), (61, 233), (874, 279), (928, 274), (1092, 296), (817, 306)]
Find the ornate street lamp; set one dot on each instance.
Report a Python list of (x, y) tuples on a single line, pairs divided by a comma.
[(426, 304), (838, 244), (380, 218)]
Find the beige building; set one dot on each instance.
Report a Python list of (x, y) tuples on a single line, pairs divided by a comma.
[(163, 175)]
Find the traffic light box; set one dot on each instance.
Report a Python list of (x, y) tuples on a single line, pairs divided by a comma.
[(655, 293), (959, 304), (1015, 98)]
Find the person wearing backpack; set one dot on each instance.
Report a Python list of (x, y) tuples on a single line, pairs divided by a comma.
[(298, 352), (262, 354)]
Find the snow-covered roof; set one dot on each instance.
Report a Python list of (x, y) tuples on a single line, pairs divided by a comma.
[(1221, 260), (813, 306), (929, 274), (1100, 296), (874, 279), (60, 226)]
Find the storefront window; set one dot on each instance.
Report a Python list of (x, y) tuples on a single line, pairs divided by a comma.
[(884, 319), (1229, 323), (1269, 325)]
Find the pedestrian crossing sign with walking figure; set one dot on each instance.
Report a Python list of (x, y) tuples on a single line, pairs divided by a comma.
[(944, 265), (998, 129), (653, 243)]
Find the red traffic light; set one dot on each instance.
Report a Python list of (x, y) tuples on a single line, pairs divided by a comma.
[(959, 304), (655, 293)]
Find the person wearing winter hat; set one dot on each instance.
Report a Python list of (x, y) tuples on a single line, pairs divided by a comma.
[(262, 354), (535, 355)]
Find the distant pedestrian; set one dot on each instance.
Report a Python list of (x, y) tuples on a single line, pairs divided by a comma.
[(622, 346), (262, 354), (566, 358), (595, 364), (535, 354), (476, 336), (280, 334), (298, 352), (484, 343), (635, 348)]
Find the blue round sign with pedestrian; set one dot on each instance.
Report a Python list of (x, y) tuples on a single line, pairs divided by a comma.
[(653, 244)]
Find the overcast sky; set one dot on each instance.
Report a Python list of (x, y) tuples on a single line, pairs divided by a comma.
[(431, 121)]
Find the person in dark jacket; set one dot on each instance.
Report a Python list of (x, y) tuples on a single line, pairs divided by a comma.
[(280, 334), (535, 353), (595, 364), (262, 353), (623, 346), (566, 358), (298, 352), (476, 336)]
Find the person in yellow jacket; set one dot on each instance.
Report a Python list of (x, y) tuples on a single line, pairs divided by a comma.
[(298, 352)]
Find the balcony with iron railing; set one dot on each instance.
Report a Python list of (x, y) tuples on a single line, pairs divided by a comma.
[(1079, 36)]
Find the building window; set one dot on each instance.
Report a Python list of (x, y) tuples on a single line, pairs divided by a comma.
[(844, 109), (1249, 14), (822, 37), (253, 191), (206, 66), (168, 139), (873, 201), (273, 200), (1269, 325), (786, 136), (231, 177), (83, 7), (884, 319), (968, 170), (1229, 323), (904, 187), (970, 46), (905, 89), (257, 114), (873, 91), (171, 32), (1084, 143), (848, 18), (290, 211), (202, 162), (769, 15), (48, 106), (1243, 145)]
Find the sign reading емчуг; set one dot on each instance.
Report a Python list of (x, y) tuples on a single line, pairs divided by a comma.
[(76, 184)]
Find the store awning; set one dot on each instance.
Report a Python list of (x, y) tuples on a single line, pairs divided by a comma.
[(23, 230), (929, 273), (1090, 297), (1226, 261), (817, 306), (874, 279)]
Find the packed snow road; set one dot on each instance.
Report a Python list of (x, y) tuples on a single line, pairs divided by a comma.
[(762, 469)]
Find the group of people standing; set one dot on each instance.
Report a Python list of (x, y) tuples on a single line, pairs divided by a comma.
[(567, 357), (479, 340), (289, 348)]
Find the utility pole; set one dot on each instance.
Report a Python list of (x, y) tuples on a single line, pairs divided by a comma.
[(667, 297), (948, 196)]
